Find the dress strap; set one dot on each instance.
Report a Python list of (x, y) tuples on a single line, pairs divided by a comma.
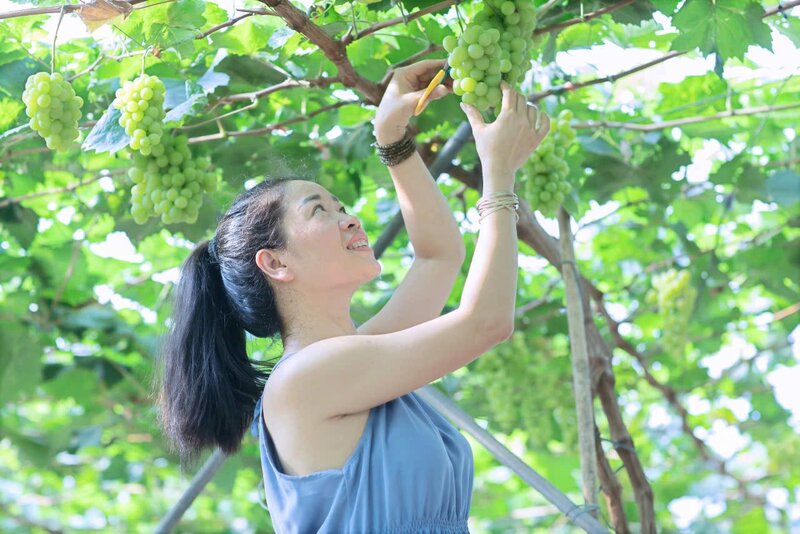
[(257, 410), (283, 359)]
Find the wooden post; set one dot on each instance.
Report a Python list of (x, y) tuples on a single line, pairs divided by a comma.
[(581, 379)]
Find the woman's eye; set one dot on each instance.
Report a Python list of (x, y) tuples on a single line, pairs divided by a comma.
[(342, 209)]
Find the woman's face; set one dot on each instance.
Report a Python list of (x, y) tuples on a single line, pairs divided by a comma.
[(319, 230)]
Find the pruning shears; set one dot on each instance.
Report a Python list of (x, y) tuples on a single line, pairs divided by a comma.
[(423, 100)]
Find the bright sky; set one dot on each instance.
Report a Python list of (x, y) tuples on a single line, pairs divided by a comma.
[(725, 439)]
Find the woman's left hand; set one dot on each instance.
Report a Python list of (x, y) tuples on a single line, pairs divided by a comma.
[(401, 96)]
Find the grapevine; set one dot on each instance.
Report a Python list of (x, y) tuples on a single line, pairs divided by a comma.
[(546, 184), (141, 103), (493, 47), (53, 108), (675, 297), (169, 182), (527, 387)]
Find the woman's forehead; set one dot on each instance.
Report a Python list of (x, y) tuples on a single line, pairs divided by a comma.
[(303, 188), (307, 191)]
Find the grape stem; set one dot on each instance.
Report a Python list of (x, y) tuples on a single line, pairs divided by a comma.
[(144, 56), (458, 17), (55, 38)]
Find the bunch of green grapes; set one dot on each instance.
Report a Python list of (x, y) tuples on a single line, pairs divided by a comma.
[(170, 182), (527, 388), (675, 296), (494, 46), (546, 186), (141, 102), (53, 107)]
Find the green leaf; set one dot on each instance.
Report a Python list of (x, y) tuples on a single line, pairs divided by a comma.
[(784, 187), (250, 71), (754, 521), (20, 222), (183, 98), (107, 135), (20, 363), (725, 27), (246, 37), (790, 27), (9, 111), (634, 13), (14, 75), (213, 79)]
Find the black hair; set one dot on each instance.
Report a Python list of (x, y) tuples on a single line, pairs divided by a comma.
[(210, 386)]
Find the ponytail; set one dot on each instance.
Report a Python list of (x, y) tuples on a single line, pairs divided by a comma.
[(209, 386)]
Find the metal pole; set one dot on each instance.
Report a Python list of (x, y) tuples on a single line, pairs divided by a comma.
[(579, 515)]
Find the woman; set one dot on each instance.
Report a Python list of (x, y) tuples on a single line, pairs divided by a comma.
[(346, 446)]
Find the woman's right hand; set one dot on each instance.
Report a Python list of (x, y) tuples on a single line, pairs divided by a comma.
[(506, 144)]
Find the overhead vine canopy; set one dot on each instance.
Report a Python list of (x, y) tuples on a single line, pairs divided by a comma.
[(119, 150)]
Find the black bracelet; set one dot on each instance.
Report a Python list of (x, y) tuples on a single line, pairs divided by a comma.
[(397, 152)]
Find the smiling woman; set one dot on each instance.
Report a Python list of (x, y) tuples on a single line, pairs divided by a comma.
[(340, 427)]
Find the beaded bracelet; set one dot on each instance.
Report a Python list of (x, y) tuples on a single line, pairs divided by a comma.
[(397, 152)]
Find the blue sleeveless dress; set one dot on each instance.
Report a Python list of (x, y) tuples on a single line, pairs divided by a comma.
[(411, 472)]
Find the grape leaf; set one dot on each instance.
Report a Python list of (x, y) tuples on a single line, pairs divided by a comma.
[(20, 363), (95, 13), (183, 98), (724, 27), (784, 187), (13, 76), (790, 27), (107, 135)]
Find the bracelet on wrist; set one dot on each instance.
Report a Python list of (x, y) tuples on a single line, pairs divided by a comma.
[(493, 202), (394, 153)]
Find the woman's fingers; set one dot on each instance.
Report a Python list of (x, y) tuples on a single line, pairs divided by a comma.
[(522, 104), (544, 125), (421, 73), (533, 114), (509, 97)]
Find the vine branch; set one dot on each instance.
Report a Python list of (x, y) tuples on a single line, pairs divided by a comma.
[(68, 8), (349, 37), (682, 122), (334, 50), (782, 6), (569, 86), (585, 18), (267, 129), (671, 396), (287, 84), (66, 189)]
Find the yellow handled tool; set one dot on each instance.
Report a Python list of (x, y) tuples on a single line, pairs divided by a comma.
[(423, 100)]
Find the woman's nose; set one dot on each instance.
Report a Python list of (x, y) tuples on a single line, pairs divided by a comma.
[(351, 220)]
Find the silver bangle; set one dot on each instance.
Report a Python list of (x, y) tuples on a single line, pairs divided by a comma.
[(496, 201)]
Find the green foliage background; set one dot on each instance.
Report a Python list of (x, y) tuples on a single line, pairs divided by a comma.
[(79, 449)]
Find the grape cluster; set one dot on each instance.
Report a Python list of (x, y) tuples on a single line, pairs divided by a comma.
[(53, 107), (494, 46), (675, 297), (546, 185), (141, 102), (526, 387), (169, 182)]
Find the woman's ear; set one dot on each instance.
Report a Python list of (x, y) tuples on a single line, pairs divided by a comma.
[(271, 264)]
